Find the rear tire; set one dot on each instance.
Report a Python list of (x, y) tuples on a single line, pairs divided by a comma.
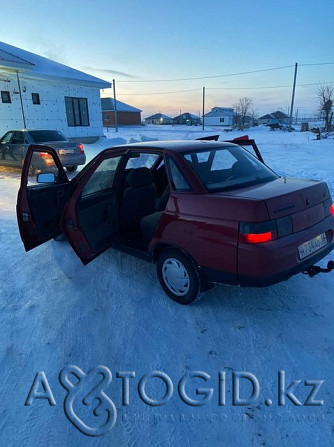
[(179, 276), (72, 168)]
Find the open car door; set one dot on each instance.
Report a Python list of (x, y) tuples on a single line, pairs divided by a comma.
[(40, 205), (90, 217)]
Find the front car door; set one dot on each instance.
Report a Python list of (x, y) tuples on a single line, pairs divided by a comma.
[(40, 206), (4, 148), (16, 149)]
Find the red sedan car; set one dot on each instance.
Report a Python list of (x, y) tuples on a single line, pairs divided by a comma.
[(204, 211)]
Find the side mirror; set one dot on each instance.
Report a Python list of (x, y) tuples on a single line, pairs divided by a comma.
[(46, 177)]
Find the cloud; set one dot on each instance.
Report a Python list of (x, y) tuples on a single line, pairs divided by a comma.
[(113, 72)]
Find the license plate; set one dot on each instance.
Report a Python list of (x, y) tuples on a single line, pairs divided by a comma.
[(312, 246), (65, 151)]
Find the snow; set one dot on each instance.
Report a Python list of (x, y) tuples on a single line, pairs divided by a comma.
[(56, 312), (40, 66)]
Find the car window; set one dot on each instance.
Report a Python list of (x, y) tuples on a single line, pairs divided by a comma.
[(43, 136), (177, 178), (228, 167), (18, 138), (141, 159), (103, 176), (6, 138)]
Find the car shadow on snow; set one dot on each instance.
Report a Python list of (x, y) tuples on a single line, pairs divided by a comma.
[(130, 277)]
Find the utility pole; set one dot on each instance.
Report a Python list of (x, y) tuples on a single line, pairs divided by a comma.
[(115, 105), (19, 85), (203, 107), (293, 96)]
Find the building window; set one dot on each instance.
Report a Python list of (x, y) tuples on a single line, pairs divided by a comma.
[(5, 96), (76, 111), (106, 117), (35, 98), (221, 120)]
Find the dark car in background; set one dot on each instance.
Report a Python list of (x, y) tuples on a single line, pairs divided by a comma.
[(14, 145)]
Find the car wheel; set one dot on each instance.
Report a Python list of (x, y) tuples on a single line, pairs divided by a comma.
[(179, 276), (71, 168), (32, 171)]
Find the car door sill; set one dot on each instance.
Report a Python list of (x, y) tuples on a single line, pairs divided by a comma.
[(134, 248)]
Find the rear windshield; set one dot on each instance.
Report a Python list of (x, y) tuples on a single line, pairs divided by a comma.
[(228, 167), (43, 136)]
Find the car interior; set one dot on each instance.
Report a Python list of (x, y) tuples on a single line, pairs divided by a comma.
[(128, 212), (142, 202)]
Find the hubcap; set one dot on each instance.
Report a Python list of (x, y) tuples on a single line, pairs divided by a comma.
[(175, 276)]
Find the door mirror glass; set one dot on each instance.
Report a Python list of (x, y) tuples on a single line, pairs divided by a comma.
[(46, 177)]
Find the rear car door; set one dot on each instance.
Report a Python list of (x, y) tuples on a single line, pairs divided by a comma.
[(90, 218), (40, 206)]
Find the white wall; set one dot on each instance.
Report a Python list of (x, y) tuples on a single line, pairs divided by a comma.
[(51, 113), (215, 120)]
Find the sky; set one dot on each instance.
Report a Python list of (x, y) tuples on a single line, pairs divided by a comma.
[(151, 49)]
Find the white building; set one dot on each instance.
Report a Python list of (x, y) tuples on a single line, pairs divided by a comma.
[(39, 93), (219, 116)]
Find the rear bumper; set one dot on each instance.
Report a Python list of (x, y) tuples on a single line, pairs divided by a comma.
[(250, 281), (72, 160), (261, 265)]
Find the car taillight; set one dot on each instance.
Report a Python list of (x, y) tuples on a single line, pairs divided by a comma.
[(331, 209), (43, 155), (81, 148), (254, 238), (260, 232), (257, 233)]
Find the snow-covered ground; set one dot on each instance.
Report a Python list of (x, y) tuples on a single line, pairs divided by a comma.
[(56, 312)]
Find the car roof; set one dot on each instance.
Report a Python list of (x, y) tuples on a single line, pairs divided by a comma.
[(181, 146)]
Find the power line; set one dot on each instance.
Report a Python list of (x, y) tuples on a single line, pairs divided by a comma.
[(159, 93), (222, 88), (321, 63), (267, 87), (211, 77), (226, 75)]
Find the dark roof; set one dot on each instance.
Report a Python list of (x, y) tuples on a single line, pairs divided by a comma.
[(157, 116), (187, 116), (269, 116), (275, 115), (278, 114), (108, 105)]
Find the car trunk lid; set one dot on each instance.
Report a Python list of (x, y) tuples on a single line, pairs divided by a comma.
[(301, 199)]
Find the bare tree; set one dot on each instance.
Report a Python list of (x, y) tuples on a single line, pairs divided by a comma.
[(325, 95), (243, 108), (254, 115)]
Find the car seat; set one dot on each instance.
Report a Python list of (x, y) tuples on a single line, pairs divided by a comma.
[(138, 199)]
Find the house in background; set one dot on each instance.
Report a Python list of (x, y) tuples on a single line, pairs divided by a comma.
[(39, 93), (277, 117), (126, 115), (219, 116), (187, 119), (159, 118)]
